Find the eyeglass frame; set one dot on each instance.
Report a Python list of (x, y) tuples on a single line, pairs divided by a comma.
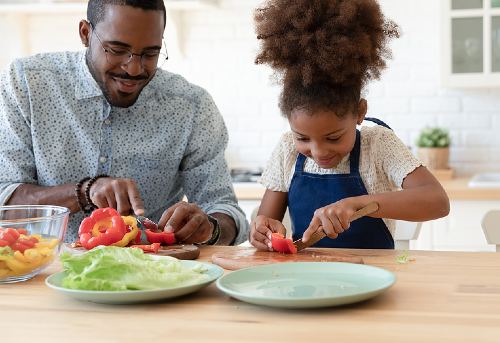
[(129, 52)]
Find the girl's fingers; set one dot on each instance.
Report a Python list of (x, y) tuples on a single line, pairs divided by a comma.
[(313, 227)]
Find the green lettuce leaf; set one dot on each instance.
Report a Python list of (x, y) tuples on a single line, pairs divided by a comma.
[(109, 268)]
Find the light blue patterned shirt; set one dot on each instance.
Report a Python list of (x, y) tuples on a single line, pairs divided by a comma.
[(56, 127)]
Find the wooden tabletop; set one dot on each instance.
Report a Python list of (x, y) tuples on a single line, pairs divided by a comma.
[(438, 297)]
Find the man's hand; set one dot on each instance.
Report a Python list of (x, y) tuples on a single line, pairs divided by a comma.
[(188, 221), (121, 194)]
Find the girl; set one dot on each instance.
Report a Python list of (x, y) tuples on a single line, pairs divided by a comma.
[(324, 52)]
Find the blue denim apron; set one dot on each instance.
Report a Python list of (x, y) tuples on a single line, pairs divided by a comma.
[(308, 192)]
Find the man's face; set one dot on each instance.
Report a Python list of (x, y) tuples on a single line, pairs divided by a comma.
[(124, 29)]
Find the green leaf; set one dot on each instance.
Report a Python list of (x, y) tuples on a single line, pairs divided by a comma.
[(118, 269), (403, 258)]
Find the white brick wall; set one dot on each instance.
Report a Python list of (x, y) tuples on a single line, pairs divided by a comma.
[(215, 48)]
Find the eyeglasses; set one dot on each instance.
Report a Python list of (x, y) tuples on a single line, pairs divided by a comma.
[(150, 59)]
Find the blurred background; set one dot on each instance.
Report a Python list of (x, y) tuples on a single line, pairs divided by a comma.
[(445, 73)]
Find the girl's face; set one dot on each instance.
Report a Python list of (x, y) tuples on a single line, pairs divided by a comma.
[(323, 136)]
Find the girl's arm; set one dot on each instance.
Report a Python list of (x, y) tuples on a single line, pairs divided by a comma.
[(273, 204), (268, 220), (422, 198)]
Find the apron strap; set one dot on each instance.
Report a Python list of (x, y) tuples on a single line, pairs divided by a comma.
[(378, 121), (354, 156), (299, 164)]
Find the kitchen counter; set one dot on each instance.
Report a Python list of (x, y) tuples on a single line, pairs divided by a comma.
[(456, 188), (438, 297)]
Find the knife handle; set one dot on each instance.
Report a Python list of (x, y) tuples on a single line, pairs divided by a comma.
[(318, 235), (368, 209)]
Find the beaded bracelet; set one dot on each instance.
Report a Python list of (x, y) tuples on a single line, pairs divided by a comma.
[(87, 189), (86, 208)]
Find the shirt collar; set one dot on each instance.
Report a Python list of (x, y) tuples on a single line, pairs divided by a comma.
[(86, 87)]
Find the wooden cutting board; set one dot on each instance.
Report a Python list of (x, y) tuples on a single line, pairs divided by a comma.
[(182, 252), (243, 258)]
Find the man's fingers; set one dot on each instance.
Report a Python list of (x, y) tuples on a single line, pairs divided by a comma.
[(135, 199), (193, 227), (179, 215)]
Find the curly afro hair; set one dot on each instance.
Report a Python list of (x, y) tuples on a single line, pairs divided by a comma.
[(323, 51)]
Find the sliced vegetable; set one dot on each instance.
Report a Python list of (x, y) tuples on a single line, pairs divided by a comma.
[(282, 244), (121, 269), (167, 238), (105, 226), (133, 231), (152, 248)]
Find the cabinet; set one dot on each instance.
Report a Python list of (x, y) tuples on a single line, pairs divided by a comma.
[(460, 230), (471, 43)]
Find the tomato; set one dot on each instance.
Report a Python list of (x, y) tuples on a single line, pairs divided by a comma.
[(282, 244)]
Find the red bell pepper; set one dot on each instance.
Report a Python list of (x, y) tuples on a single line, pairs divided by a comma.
[(167, 238), (153, 248), (105, 226), (9, 235), (282, 244)]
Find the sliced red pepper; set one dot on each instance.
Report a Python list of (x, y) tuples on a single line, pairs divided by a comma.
[(94, 230), (282, 244), (167, 238), (10, 235), (152, 248), (23, 232), (22, 244), (149, 224), (3, 243)]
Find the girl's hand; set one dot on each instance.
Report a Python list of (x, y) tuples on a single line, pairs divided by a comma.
[(332, 219), (261, 229)]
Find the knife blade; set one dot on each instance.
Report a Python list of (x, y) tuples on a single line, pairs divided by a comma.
[(318, 235)]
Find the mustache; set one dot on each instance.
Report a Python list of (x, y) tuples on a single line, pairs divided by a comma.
[(129, 77)]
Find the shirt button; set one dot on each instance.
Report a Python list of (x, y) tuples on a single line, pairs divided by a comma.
[(107, 122), (102, 159)]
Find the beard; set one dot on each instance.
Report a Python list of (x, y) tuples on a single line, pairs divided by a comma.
[(122, 100)]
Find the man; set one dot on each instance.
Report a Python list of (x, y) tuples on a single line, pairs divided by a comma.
[(107, 128)]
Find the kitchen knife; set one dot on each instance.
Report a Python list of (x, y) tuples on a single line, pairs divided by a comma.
[(318, 235)]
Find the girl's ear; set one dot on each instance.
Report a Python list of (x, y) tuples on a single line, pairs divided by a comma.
[(362, 109)]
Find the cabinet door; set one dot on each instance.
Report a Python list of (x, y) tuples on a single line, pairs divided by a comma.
[(460, 231), (471, 43)]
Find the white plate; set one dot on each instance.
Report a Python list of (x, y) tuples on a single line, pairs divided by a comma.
[(306, 284), (54, 281)]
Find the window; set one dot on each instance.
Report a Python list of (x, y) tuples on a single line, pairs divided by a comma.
[(471, 43)]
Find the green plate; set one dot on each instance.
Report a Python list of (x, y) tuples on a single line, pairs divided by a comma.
[(54, 281), (306, 284)]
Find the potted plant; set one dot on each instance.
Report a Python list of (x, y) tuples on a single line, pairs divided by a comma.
[(434, 147)]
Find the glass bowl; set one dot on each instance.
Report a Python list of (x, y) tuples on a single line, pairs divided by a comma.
[(30, 239)]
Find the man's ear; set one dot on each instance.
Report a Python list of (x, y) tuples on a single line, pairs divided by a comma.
[(362, 109), (84, 31)]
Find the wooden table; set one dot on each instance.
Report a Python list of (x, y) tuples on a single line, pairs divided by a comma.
[(438, 297)]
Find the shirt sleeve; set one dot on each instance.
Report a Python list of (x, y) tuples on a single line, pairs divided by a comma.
[(205, 175), (16, 151), (397, 161), (280, 166)]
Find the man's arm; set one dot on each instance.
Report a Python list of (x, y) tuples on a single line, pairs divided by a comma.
[(207, 182), (28, 194)]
